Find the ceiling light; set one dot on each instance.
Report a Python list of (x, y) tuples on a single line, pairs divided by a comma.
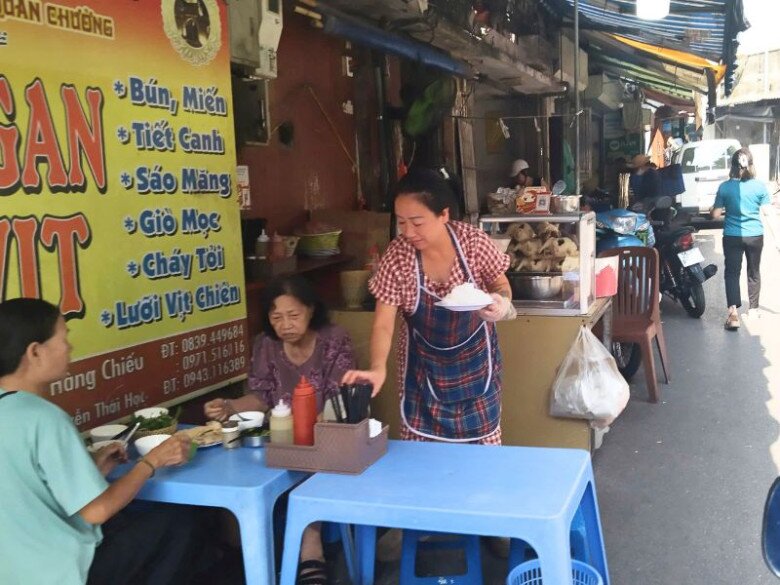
[(652, 9)]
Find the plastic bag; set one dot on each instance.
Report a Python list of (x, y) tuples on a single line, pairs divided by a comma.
[(588, 384)]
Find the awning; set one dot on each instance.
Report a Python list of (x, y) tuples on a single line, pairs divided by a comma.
[(697, 35)]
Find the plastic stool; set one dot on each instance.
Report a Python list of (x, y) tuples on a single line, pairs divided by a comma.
[(412, 543), (530, 573), (518, 549)]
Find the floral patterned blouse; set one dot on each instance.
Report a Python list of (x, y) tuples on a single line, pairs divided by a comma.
[(273, 376)]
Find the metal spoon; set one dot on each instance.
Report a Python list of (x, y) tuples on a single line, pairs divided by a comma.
[(126, 440)]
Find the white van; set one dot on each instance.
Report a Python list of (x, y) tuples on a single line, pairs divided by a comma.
[(705, 165)]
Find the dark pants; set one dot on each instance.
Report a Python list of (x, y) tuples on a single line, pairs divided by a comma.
[(149, 545), (733, 249)]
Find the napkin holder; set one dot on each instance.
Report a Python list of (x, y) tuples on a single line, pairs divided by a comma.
[(338, 448)]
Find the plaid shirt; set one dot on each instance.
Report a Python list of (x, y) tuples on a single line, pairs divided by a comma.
[(395, 283)]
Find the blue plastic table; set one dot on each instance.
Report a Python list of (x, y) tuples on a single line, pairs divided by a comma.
[(235, 479), (520, 492)]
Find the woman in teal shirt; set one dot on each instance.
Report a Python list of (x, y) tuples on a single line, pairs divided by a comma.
[(53, 494), (744, 200)]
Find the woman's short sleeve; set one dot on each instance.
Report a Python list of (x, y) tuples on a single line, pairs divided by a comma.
[(390, 284), (489, 262)]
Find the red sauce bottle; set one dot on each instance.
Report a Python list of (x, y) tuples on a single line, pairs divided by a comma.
[(304, 410)]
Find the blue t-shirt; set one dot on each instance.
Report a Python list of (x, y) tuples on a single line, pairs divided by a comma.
[(46, 478), (742, 201)]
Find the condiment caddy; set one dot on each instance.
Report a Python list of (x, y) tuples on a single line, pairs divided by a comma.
[(344, 446), (337, 448)]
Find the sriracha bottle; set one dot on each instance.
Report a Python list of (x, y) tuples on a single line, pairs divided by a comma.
[(304, 410)]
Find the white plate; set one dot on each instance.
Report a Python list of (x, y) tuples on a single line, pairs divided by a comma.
[(462, 308), (207, 445)]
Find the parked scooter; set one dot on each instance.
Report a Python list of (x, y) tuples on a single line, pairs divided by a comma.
[(621, 228), (681, 272), (682, 269)]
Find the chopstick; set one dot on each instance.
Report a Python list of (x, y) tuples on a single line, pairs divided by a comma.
[(334, 401), (344, 391)]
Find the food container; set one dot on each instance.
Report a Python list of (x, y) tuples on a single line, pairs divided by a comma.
[(535, 286), (315, 244), (151, 412), (565, 204), (249, 419), (230, 434), (255, 440), (146, 444), (106, 432)]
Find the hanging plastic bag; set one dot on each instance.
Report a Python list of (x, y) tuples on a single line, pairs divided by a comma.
[(588, 384)]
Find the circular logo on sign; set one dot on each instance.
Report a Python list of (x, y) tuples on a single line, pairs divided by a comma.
[(193, 27)]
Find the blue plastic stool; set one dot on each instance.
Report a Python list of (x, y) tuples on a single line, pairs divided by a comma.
[(579, 544), (530, 573), (412, 543)]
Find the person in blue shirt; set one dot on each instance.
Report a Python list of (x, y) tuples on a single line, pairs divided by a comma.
[(53, 492), (743, 200)]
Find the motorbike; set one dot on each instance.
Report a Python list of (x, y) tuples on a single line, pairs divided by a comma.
[(681, 269), (621, 228)]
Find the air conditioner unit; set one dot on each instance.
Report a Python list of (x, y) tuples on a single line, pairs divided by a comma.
[(255, 30), (565, 70), (604, 91)]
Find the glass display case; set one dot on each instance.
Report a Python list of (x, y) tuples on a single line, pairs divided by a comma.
[(552, 268)]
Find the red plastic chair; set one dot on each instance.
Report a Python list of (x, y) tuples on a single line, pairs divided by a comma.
[(637, 315)]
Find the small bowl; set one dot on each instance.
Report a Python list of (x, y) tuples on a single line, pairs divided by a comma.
[(98, 445), (565, 204), (146, 444), (152, 412), (106, 432), (255, 417), (255, 441)]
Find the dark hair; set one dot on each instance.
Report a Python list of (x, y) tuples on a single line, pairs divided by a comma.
[(742, 165), (22, 322), (431, 189), (298, 287)]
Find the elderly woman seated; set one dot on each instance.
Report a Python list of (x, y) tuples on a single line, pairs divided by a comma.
[(296, 340)]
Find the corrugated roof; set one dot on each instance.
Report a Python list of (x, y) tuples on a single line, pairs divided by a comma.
[(693, 26), (702, 28)]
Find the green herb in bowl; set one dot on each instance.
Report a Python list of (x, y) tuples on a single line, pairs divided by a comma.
[(153, 424)]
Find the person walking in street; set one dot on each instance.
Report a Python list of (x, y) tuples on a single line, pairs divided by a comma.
[(743, 200)]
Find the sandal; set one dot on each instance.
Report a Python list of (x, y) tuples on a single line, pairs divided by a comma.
[(312, 572), (732, 323)]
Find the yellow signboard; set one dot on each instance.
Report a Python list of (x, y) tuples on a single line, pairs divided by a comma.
[(118, 198)]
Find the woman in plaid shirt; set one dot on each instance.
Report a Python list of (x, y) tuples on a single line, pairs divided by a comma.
[(449, 367)]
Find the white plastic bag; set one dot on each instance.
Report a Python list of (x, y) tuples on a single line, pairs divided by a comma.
[(588, 384)]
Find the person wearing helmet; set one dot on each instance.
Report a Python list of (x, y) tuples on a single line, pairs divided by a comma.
[(521, 176), (645, 180)]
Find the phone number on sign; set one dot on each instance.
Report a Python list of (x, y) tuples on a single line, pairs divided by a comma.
[(203, 376), (203, 340), (213, 354)]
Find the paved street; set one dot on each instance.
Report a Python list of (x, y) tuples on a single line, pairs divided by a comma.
[(681, 484)]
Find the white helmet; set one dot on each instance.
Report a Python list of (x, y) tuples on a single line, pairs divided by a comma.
[(517, 166)]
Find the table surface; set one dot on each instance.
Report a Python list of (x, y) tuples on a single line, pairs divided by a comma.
[(216, 466), (539, 482)]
